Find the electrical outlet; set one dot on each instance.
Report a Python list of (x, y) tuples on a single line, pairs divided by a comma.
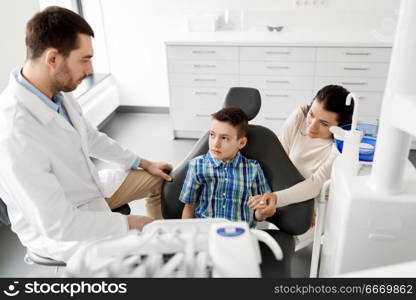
[(310, 3)]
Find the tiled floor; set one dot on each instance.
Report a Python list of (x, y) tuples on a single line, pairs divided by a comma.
[(149, 135)]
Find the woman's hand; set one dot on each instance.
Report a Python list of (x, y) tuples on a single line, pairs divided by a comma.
[(313, 222), (264, 205)]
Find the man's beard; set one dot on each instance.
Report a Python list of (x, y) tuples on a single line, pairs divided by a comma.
[(63, 81)]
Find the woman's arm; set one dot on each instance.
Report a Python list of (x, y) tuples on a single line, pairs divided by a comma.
[(308, 188), (302, 191), (290, 127)]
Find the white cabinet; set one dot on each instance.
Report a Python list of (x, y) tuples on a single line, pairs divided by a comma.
[(277, 53), (199, 78), (286, 76), (202, 52), (196, 67), (356, 54), (277, 82), (360, 70)]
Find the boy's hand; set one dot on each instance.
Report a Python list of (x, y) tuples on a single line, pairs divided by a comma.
[(259, 215), (265, 205)]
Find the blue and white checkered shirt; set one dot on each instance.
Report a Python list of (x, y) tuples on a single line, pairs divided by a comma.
[(222, 190)]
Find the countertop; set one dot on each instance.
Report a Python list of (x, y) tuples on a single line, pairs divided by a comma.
[(291, 36)]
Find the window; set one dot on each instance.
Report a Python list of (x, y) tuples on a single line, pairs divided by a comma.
[(91, 11), (74, 5)]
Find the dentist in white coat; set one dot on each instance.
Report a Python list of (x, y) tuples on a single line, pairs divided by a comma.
[(55, 197)]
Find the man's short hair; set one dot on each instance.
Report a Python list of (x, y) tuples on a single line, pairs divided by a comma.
[(235, 117), (55, 27)]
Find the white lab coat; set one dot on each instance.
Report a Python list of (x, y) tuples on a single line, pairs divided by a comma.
[(52, 190)]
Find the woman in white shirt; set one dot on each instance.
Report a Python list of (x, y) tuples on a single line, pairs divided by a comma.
[(309, 144)]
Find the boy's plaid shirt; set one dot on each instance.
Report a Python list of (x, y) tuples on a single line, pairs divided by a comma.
[(222, 190)]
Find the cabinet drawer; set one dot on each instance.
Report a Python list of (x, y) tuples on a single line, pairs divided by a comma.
[(277, 83), (277, 53), (354, 54), (374, 120), (191, 109), (203, 67), (353, 83), (346, 69), (202, 52), (187, 121), (276, 68), (203, 80), (370, 103), (283, 102), (273, 122), (197, 100)]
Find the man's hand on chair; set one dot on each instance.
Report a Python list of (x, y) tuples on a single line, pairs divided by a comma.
[(157, 168), (264, 205), (137, 222)]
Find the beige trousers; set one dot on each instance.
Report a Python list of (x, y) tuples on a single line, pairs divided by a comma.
[(137, 185)]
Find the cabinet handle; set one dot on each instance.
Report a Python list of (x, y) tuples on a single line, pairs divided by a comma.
[(205, 79), (278, 52), (202, 115), (357, 53), (204, 51), (204, 93), (362, 97), (205, 66), (277, 95), (355, 69), (278, 67), (278, 81), (274, 118), (354, 83)]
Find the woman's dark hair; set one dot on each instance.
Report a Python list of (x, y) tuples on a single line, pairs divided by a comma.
[(55, 27), (332, 98)]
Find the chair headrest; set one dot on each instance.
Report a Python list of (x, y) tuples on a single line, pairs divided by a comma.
[(248, 99)]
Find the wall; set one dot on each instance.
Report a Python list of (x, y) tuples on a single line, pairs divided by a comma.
[(135, 31), (13, 17)]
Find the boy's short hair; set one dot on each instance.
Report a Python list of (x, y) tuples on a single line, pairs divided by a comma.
[(236, 117), (55, 27)]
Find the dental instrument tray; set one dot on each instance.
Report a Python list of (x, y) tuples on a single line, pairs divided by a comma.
[(176, 248)]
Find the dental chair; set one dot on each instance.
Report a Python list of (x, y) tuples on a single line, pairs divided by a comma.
[(264, 146), (33, 258)]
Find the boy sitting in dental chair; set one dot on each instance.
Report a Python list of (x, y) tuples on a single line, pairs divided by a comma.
[(219, 183)]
